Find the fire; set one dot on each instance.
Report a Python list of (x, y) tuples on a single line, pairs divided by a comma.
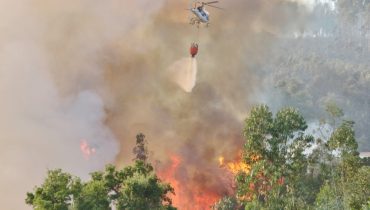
[(190, 194), (169, 176), (197, 186), (234, 167), (221, 161), (204, 200), (86, 150)]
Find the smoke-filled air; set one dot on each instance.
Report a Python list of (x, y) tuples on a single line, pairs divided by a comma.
[(80, 79)]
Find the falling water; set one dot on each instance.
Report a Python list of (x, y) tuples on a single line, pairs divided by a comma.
[(184, 73)]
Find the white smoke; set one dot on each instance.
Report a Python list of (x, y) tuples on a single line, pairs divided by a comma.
[(50, 88), (40, 129)]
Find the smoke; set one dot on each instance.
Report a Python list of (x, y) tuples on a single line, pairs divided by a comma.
[(51, 88), (99, 71), (200, 127), (325, 64)]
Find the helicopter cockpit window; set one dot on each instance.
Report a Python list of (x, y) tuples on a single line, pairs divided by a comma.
[(203, 13)]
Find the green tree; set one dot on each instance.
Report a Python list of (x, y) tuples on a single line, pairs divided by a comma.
[(346, 188), (365, 161), (358, 189), (94, 194), (143, 191), (334, 112), (343, 141), (274, 149), (56, 193), (134, 187), (329, 198)]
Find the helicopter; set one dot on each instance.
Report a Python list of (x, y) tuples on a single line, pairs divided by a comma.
[(201, 14)]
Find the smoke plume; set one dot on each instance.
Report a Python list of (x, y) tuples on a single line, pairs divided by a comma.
[(51, 86), (193, 129), (97, 71)]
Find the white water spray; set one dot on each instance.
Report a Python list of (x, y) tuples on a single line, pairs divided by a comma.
[(184, 73)]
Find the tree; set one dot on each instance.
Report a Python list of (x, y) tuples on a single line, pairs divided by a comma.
[(358, 189), (274, 148), (334, 112), (134, 187), (56, 193), (328, 198), (347, 187), (142, 189), (140, 149), (365, 161), (226, 203), (94, 194), (343, 141)]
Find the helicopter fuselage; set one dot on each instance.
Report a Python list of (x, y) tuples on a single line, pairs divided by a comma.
[(201, 14)]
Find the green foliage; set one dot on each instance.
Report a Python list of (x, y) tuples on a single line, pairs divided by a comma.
[(284, 176), (134, 187), (141, 189), (365, 161), (56, 192), (353, 194), (226, 203), (141, 192), (333, 110), (343, 139), (329, 198), (358, 189), (366, 206), (274, 148), (94, 196), (347, 186), (254, 205)]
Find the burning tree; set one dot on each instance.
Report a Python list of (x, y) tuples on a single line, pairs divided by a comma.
[(283, 174), (140, 149), (274, 151)]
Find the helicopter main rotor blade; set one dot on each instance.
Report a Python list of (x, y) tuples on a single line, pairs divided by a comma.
[(210, 2), (215, 7)]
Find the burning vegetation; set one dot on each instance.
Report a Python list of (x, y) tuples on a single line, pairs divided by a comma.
[(273, 171), (193, 191), (86, 149), (98, 70)]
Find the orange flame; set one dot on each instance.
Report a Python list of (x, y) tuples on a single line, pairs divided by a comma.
[(198, 198), (86, 150), (169, 176), (234, 167)]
